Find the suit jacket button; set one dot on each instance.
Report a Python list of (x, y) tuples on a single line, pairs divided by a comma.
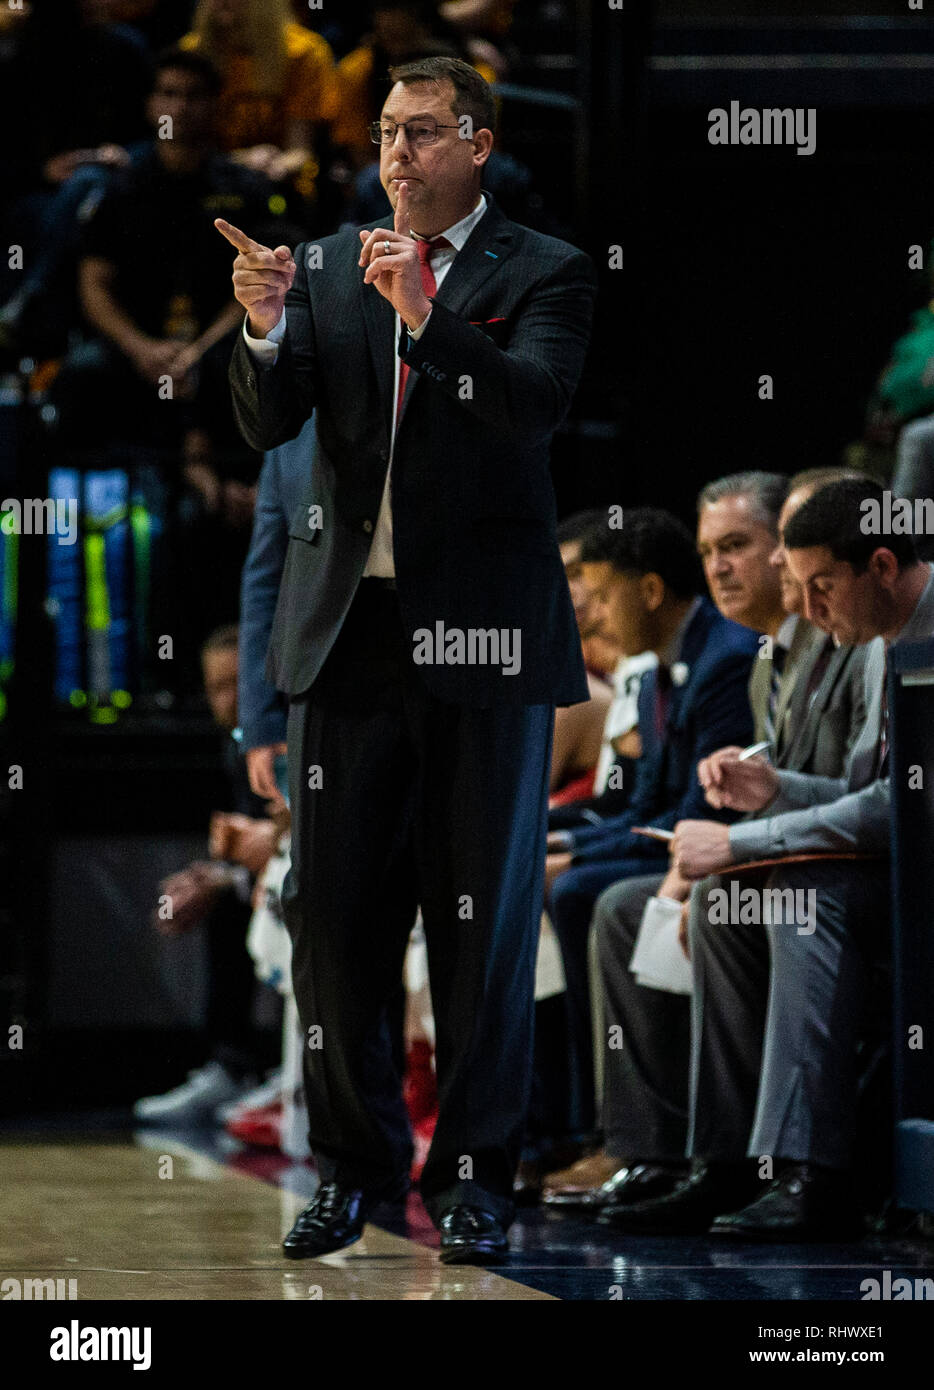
[(368, 525), (250, 380)]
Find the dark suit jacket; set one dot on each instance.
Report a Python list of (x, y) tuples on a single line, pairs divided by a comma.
[(710, 709), (283, 480), (473, 508)]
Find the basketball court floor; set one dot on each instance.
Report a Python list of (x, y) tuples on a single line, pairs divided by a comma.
[(124, 1215)]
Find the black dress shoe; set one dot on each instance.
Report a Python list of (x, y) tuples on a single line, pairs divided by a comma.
[(335, 1218), (640, 1183), (805, 1202), (690, 1207), (472, 1236)]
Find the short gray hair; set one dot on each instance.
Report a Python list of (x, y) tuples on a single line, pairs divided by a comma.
[(767, 490)]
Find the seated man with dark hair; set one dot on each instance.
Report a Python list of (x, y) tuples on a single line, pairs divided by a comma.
[(778, 1012), (645, 580)]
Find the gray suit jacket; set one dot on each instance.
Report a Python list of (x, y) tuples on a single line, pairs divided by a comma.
[(821, 728), (814, 814)]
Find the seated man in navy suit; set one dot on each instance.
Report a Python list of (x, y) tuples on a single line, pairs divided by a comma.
[(646, 581)]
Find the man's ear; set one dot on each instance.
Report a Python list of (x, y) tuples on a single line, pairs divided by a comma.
[(884, 566), (652, 587), (482, 146)]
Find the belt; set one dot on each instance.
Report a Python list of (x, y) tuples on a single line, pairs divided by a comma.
[(378, 581)]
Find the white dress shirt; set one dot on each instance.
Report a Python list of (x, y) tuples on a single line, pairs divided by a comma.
[(266, 350)]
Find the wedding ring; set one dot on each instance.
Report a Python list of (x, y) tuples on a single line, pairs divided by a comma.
[(387, 247)]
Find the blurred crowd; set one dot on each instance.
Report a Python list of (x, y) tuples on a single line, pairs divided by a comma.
[(137, 123)]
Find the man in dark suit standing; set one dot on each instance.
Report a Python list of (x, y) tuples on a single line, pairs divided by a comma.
[(424, 634)]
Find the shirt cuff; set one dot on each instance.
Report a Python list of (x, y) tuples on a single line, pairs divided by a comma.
[(415, 334), (265, 350)]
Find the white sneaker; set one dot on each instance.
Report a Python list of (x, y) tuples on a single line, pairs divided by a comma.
[(267, 1094), (195, 1101)]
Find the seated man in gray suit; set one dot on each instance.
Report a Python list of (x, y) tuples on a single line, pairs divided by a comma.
[(806, 698), (777, 1014)]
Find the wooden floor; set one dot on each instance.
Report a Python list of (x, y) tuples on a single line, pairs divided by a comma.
[(132, 1222)]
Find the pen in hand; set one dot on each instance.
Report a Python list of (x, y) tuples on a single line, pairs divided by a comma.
[(752, 750)]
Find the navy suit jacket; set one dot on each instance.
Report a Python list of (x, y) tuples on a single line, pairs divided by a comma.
[(708, 710), (284, 477)]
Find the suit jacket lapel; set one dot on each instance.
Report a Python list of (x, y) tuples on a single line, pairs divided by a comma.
[(379, 318)]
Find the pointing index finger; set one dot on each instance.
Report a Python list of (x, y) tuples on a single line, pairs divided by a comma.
[(236, 238)]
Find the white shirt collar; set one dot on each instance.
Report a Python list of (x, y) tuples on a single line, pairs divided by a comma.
[(458, 234)]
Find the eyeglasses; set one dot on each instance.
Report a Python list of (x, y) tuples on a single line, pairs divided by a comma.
[(418, 133)]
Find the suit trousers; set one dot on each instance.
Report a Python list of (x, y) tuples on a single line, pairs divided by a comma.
[(399, 800), (571, 907), (778, 1012), (646, 1055)]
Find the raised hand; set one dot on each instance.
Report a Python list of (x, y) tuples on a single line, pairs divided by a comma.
[(392, 265), (261, 278)]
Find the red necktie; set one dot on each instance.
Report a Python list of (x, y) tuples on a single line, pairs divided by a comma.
[(424, 249)]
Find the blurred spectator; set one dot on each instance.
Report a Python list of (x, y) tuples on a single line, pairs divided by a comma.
[(74, 90), (72, 95), (485, 24), (153, 281), (158, 23), (891, 448), (216, 893), (579, 728), (279, 89), (149, 395)]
